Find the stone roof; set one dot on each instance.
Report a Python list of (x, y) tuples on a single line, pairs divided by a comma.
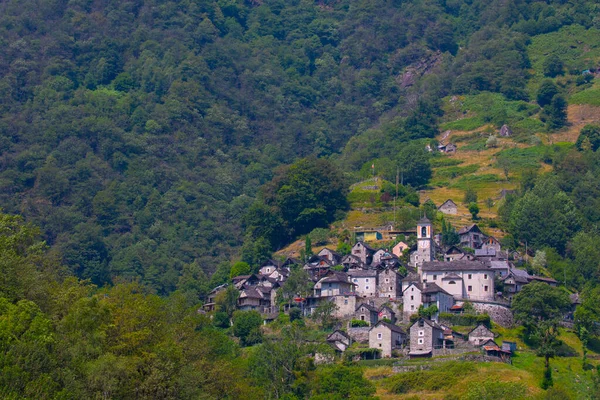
[(367, 306), (433, 288), (457, 265), (429, 322), (362, 273), (424, 221), (499, 264), (392, 327), (366, 246), (487, 252), (469, 228), (337, 276), (412, 277)]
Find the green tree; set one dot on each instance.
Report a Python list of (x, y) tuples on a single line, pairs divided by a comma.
[(307, 194), (592, 134), (413, 160), (246, 326), (470, 196), (239, 268), (341, 382), (555, 113), (226, 300), (297, 284), (474, 210), (540, 307), (546, 92), (325, 314), (552, 66)]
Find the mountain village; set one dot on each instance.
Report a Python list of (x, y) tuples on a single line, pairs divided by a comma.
[(395, 310)]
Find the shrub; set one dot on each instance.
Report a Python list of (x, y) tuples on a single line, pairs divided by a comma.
[(357, 323)]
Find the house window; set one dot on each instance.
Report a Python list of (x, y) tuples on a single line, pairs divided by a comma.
[(451, 283), (434, 277), (362, 317), (470, 276), (421, 333), (469, 288), (484, 276), (421, 323), (387, 280), (420, 341), (355, 280), (412, 307), (379, 336), (412, 297), (485, 288), (391, 289), (366, 288), (412, 289), (345, 301), (367, 280)]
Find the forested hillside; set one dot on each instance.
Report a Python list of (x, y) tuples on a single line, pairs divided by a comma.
[(137, 133)]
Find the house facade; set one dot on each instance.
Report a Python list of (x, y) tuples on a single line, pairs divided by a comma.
[(464, 280), (365, 281), (387, 338), (425, 337), (399, 248), (480, 335), (471, 236), (363, 251), (411, 299), (389, 283), (334, 284), (448, 207), (368, 313)]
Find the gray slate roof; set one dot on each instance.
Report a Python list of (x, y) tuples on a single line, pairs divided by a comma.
[(433, 288), (362, 273), (458, 265)]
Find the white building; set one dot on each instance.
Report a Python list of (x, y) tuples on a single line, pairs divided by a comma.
[(465, 280), (365, 281)]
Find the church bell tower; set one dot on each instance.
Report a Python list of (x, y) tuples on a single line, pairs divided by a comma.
[(425, 244)]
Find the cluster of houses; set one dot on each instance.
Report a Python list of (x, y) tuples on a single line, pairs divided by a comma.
[(372, 285), (423, 338)]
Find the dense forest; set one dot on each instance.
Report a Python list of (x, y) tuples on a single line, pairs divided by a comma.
[(136, 134), (147, 146)]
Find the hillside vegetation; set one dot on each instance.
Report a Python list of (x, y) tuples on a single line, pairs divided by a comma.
[(137, 133)]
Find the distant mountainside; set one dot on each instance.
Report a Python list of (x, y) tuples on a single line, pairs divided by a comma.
[(138, 133)]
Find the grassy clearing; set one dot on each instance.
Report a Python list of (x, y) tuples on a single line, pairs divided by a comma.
[(454, 172), (444, 161), (465, 124), (475, 181), (589, 96), (577, 47)]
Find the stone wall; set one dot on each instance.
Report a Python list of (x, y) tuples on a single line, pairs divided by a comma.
[(360, 335), (500, 314)]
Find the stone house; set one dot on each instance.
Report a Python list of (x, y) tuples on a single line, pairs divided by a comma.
[(453, 253), (480, 334), (433, 295), (334, 257), (364, 252), (491, 243), (500, 267), (334, 284), (448, 207), (514, 281), (212, 295), (352, 262), (389, 283), (399, 248), (471, 236), (464, 280), (411, 299), (387, 338), (368, 313), (425, 337), (386, 312), (365, 281), (339, 340), (345, 304), (379, 255), (268, 267)]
